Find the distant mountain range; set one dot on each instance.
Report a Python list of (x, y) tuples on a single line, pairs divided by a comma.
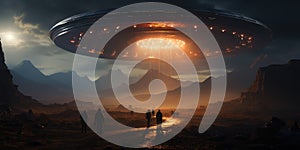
[(57, 88), (275, 89), (173, 96), (47, 89)]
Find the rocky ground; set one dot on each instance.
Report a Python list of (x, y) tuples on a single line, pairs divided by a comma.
[(63, 131)]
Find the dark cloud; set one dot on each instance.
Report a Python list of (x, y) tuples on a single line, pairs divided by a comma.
[(48, 12), (281, 16)]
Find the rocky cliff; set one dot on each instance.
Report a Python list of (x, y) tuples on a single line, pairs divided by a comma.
[(9, 93), (276, 87)]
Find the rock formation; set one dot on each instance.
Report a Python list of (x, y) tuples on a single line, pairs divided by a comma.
[(276, 87), (9, 93)]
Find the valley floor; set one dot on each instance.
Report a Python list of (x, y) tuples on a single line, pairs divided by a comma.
[(61, 131)]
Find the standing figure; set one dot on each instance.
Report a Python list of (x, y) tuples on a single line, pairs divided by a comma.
[(83, 117), (30, 115), (153, 112), (131, 112), (148, 117), (159, 117), (99, 121), (295, 127)]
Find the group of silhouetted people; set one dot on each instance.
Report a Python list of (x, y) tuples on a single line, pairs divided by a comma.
[(99, 119), (158, 116)]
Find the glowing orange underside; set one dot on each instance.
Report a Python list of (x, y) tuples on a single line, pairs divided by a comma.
[(160, 43)]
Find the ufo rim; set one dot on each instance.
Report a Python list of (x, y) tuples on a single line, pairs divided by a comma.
[(83, 21)]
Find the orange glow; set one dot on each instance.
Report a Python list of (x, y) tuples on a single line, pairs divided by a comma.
[(163, 25), (237, 47), (160, 43), (72, 41), (101, 52), (151, 57), (92, 51), (228, 50)]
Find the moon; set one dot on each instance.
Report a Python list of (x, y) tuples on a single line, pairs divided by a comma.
[(9, 39)]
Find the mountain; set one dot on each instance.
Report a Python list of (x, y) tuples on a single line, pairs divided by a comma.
[(139, 89), (65, 78), (276, 87), (104, 82), (236, 83), (55, 88), (9, 93), (141, 86), (47, 89), (275, 91), (172, 96), (29, 71)]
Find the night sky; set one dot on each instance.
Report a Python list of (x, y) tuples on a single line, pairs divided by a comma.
[(24, 27)]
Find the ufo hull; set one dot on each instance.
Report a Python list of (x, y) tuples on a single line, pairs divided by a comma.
[(233, 32)]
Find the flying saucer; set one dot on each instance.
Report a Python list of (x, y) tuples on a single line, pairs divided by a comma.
[(233, 32)]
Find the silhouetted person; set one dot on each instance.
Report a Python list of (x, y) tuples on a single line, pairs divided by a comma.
[(83, 117), (99, 121), (148, 117), (271, 128), (131, 112), (275, 124), (175, 114), (153, 112), (30, 115), (295, 127), (159, 117), (5, 110), (9, 111)]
